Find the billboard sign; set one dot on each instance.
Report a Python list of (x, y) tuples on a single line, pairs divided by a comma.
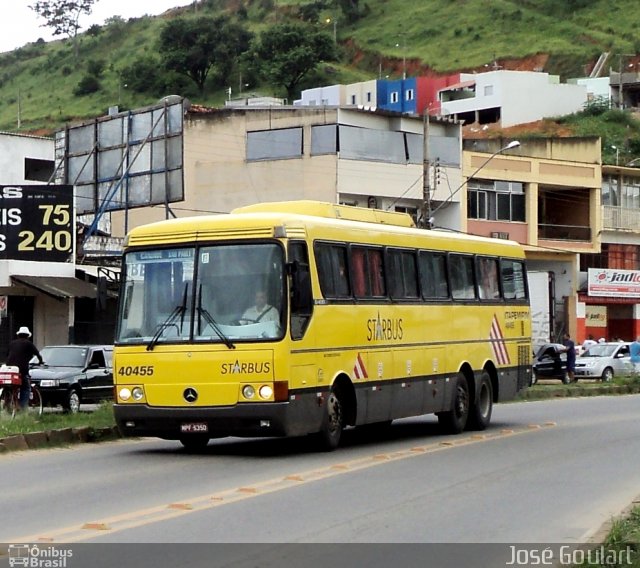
[(614, 282), (36, 222)]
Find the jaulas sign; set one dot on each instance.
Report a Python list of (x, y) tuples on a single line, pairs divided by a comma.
[(610, 282), (36, 222)]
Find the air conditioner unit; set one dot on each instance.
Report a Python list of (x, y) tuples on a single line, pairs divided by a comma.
[(499, 235)]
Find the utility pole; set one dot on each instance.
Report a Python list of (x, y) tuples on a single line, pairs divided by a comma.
[(426, 182)]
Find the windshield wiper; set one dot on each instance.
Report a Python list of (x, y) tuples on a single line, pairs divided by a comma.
[(177, 311), (207, 316)]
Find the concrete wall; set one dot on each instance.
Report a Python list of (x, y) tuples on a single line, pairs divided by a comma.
[(14, 149)]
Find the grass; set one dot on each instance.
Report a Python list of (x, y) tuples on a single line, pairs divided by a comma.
[(102, 417), (38, 79), (624, 540)]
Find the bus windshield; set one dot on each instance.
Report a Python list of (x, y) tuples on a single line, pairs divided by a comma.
[(219, 293)]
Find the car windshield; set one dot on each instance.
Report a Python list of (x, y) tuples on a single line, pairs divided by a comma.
[(600, 350), (64, 356)]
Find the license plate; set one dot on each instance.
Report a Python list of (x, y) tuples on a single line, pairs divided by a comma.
[(194, 427)]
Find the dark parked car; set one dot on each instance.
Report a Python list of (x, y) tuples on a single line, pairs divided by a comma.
[(550, 362), (74, 374)]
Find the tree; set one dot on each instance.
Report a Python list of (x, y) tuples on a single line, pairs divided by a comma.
[(287, 52), (62, 16), (195, 46)]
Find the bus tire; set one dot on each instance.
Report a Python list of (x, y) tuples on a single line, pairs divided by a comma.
[(195, 442), (454, 421), (332, 422), (481, 409)]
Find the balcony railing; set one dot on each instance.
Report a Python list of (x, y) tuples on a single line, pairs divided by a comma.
[(564, 232), (620, 218)]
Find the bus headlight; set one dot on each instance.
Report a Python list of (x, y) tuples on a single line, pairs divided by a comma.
[(124, 394), (248, 391), (265, 392), (137, 393)]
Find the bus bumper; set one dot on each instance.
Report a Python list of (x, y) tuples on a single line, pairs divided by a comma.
[(245, 420)]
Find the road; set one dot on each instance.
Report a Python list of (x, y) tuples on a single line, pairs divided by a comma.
[(544, 472)]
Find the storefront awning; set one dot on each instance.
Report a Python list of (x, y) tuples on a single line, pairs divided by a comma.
[(59, 287)]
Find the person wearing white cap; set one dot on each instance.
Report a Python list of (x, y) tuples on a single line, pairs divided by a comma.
[(21, 351)]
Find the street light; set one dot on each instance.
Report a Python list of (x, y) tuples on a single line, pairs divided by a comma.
[(510, 146), (617, 153)]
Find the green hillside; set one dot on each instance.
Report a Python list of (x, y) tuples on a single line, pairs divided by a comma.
[(377, 38)]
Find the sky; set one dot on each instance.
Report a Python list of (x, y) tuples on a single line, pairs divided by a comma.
[(19, 24)]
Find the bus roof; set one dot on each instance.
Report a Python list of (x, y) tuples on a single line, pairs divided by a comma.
[(331, 211), (318, 220)]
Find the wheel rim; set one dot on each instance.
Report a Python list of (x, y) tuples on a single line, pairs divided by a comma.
[(607, 375), (74, 402), (334, 413), (484, 400), (461, 406)]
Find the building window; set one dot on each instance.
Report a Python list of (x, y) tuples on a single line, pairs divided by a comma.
[(413, 211), (393, 97), (324, 139), (38, 170), (496, 200), (488, 90), (274, 144), (368, 96), (615, 256), (353, 99), (409, 95)]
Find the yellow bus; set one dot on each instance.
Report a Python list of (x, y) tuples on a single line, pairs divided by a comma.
[(294, 318)]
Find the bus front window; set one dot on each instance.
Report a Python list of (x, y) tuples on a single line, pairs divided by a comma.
[(157, 296), (240, 292)]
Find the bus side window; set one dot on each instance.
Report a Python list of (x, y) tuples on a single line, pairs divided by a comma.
[(402, 274), (332, 270), (488, 279), (433, 275), (462, 285), (301, 295), (513, 277)]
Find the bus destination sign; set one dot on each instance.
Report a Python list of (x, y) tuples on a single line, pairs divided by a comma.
[(36, 222)]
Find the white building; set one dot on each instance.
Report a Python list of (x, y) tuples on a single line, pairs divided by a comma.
[(38, 283), (333, 95), (510, 97)]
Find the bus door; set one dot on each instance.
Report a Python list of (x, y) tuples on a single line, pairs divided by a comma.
[(304, 367)]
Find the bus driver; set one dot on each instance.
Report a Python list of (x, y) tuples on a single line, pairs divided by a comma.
[(261, 311)]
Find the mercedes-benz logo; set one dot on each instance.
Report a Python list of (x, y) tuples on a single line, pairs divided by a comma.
[(190, 394)]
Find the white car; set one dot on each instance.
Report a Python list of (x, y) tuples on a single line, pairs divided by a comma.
[(604, 361)]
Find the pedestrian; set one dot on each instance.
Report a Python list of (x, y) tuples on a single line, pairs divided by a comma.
[(570, 349), (634, 351), (21, 351), (590, 341)]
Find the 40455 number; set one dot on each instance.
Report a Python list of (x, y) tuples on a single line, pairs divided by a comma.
[(136, 371)]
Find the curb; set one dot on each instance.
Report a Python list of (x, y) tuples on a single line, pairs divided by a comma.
[(577, 391), (56, 438)]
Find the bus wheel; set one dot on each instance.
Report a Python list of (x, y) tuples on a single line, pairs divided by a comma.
[(480, 413), (195, 442), (453, 421), (332, 422)]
